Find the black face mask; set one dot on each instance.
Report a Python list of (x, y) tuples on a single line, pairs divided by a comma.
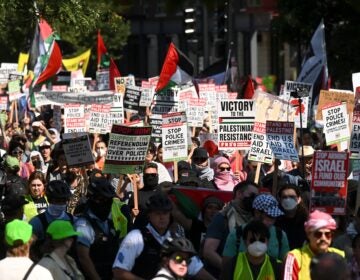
[(150, 181), (247, 202), (101, 210)]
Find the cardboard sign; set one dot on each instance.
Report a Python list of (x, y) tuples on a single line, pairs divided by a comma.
[(103, 79), (235, 123), (174, 141), (74, 117), (122, 82), (280, 137), (99, 118), (329, 182), (127, 149), (260, 149), (336, 124), (132, 99), (77, 149), (334, 96)]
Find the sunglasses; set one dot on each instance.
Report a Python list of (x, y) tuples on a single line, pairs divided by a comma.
[(261, 239), (179, 259), (224, 168), (15, 153), (319, 234)]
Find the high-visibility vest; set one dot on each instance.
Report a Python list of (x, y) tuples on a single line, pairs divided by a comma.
[(30, 209), (243, 270)]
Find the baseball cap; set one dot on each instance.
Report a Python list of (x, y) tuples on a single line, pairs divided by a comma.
[(45, 144), (13, 202), (36, 124), (200, 153), (267, 204), (61, 229), (17, 230)]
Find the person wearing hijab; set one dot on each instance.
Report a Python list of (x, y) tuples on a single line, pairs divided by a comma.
[(38, 162), (55, 135), (224, 178)]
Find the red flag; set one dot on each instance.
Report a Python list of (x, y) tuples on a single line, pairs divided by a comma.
[(101, 49), (248, 89)]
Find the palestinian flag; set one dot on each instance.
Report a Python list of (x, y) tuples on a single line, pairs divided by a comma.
[(45, 54), (248, 88), (104, 61), (177, 69)]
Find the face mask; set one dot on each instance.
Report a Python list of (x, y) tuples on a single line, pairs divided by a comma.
[(288, 203), (200, 167), (150, 181), (101, 210), (56, 209), (247, 202), (257, 249), (100, 152)]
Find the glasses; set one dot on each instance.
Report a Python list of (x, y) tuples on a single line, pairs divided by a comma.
[(319, 234), (179, 259), (261, 239), (224, 168)]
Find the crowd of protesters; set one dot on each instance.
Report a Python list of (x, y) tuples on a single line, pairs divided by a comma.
[(79, 223)]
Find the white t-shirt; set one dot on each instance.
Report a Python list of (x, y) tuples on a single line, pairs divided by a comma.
[(15, 268), (133, 244)]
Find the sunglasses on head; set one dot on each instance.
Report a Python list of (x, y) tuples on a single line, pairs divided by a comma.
[(261, 239), (179, 259), (319, 234), (224, 168)]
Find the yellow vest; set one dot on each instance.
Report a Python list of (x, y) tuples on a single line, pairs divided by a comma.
[(118, 218), (30, 209), (303, 257), (243, 270)]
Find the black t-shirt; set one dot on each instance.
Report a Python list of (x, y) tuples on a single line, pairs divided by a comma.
[(40, 204), (196, 234)]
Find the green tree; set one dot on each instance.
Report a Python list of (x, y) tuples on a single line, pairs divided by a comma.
[(298, 20), (76, 21)]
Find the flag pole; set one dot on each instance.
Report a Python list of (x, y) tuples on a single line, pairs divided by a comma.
[(227, 63)]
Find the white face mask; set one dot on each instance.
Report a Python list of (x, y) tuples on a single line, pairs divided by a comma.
[(56, 209), (257, 248), (288, 203)]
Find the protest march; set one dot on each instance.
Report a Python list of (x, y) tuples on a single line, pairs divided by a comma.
[(174, 176)]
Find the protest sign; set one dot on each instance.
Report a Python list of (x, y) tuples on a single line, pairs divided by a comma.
[(165, 102), (303, 90), (74, 116), (3, 102), (336, 124), (77, 149), (103, 79), (100, 118), (174, 141), (5, 70), (207, 92), (155, 120), (280, 137), (117, 110), (355, 132), (208, 136), (132, 99), (127, 149), (57, 117), (61, 98), (355, 81), (147, 94), (236, 121), (14, 90), (195, 113), (355, 167), (221, 92), (122, 82), (329, 182), (334, 96), (260, 150), (174, 118)]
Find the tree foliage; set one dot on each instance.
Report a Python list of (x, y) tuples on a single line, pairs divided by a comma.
[(298, 20), (76, 21)]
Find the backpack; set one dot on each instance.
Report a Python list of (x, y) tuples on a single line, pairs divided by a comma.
[(239, 231)]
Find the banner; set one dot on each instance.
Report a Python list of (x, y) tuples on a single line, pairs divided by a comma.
[(132, 99), (336, 124), (329, 182), (236, 123), (60, 98), (74, 118), (77, 149), (99, 118), (127, 149), (280, 137)]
